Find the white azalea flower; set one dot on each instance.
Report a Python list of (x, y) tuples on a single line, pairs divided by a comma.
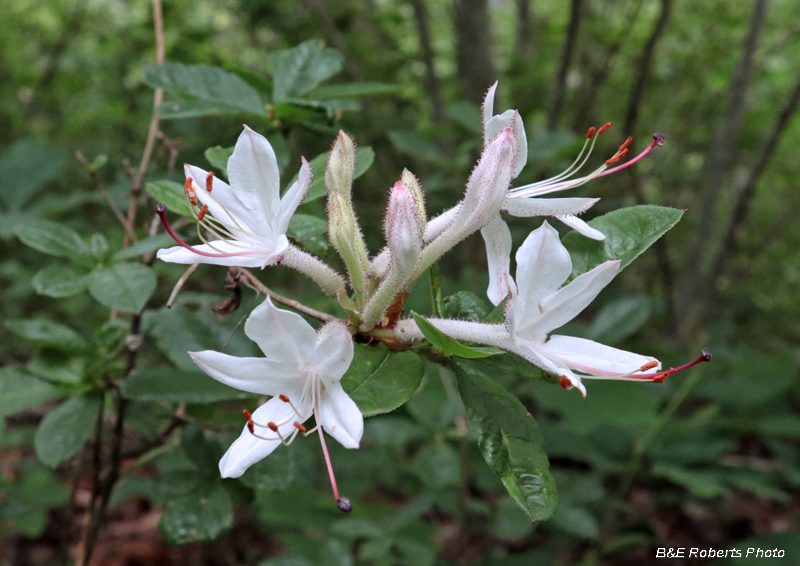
[(302, 372), (248, 217)]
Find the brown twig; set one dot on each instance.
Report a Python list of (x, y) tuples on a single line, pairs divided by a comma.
[(300, 307), (181, 282)]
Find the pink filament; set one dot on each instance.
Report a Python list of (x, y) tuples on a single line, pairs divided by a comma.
[(328, 462), (161, 211)]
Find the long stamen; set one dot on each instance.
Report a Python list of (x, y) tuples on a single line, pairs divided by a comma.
[(342, 503), (161, 211), (658, 139), (705, 356)]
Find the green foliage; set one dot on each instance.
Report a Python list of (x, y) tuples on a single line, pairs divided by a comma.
[(177, 386), (64, 430), (450, 347), (299, 70), (47, 333), (203, 514), (171, 194), (20, 390), (54, 239), (125, 286), (24, 169), (364, 159)]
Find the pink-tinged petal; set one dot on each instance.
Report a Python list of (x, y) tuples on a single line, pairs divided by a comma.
[(247, 449), (223, 204), (527, 206), (247, 256), (340, 416), (254, 375), (543, 264), (537, 355), (497, 124), (283, 336), (333, 353), (497, 238), (293, 197), (597, 359), (565, 304), (253, 172), (582, 227)]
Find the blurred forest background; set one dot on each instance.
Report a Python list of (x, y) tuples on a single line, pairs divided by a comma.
[(708, 459)]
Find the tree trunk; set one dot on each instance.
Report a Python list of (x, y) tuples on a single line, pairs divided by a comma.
[(694, 287), (566, 61), (432, 86), (473, 48), (523, 43)]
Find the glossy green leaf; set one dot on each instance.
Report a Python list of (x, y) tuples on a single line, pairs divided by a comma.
[(171, 194), (53, 239), (25, 167), (175, 386), (466, 305), (209, 84), (275, 473), (353, 90), (514, 365), (364, 159), (303, 226), (218, 157), (203, 453), (628, 231), (509, 441), (46, 333), (449, 346), (203, 514), (63, 430), (125, 286), (380, 380), (20, 390), (299, 70), (193, 108)]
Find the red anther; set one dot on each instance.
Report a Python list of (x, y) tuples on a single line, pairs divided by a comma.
[(604, 127), (189, 190), (565, 382), (613, 160), (705, 356), (272, 426), (299, 427), (648, 365), (623, 152), (590, 133), (283, 398), (210, 181), (247, 414), (202, 213), (660, 377), (251, 427), (626, 144)]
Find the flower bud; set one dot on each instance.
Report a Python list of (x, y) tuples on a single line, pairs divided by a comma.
[(346, 238), (403, 232), (412, 184), (341, 166)]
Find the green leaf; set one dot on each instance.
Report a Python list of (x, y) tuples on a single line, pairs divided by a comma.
[(380, 380), (171, 194), (60, 281), (218, 157), (203, 514), (620, 319), (63, 430), (46, 333), (466, 305), (275, 473), (20, 390), (25, 167), (628, 231), (514, 365), (125, 286), (193, 108), (413, 144), (364, 159), (203, 454), (175, 386), (509, 441), (353, 90), (210, 84), (53, 239), (297, 71), (449, 346), (303, 226), (143, 246)]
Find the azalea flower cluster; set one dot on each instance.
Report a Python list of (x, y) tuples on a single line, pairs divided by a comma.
[(247, 221)]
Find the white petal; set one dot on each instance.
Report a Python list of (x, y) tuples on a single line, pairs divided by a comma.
[(593, 358), (260, 258), (283, 336), (340, 417), (333, 353), (538, 356), (488, 111), (223, 204), (253, 172), (528, 206), (582, 227), (247, 450), (565, 304), (497, 238), (497, 123), (254, 375), (543, 264), (293, 197)]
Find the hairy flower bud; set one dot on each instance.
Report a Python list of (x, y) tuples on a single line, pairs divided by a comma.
[(346, 238), (403, 232), (341, 166), (412, 184)]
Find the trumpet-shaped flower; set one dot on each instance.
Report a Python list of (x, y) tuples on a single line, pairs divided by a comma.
[(302, 372), (248, 219)]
